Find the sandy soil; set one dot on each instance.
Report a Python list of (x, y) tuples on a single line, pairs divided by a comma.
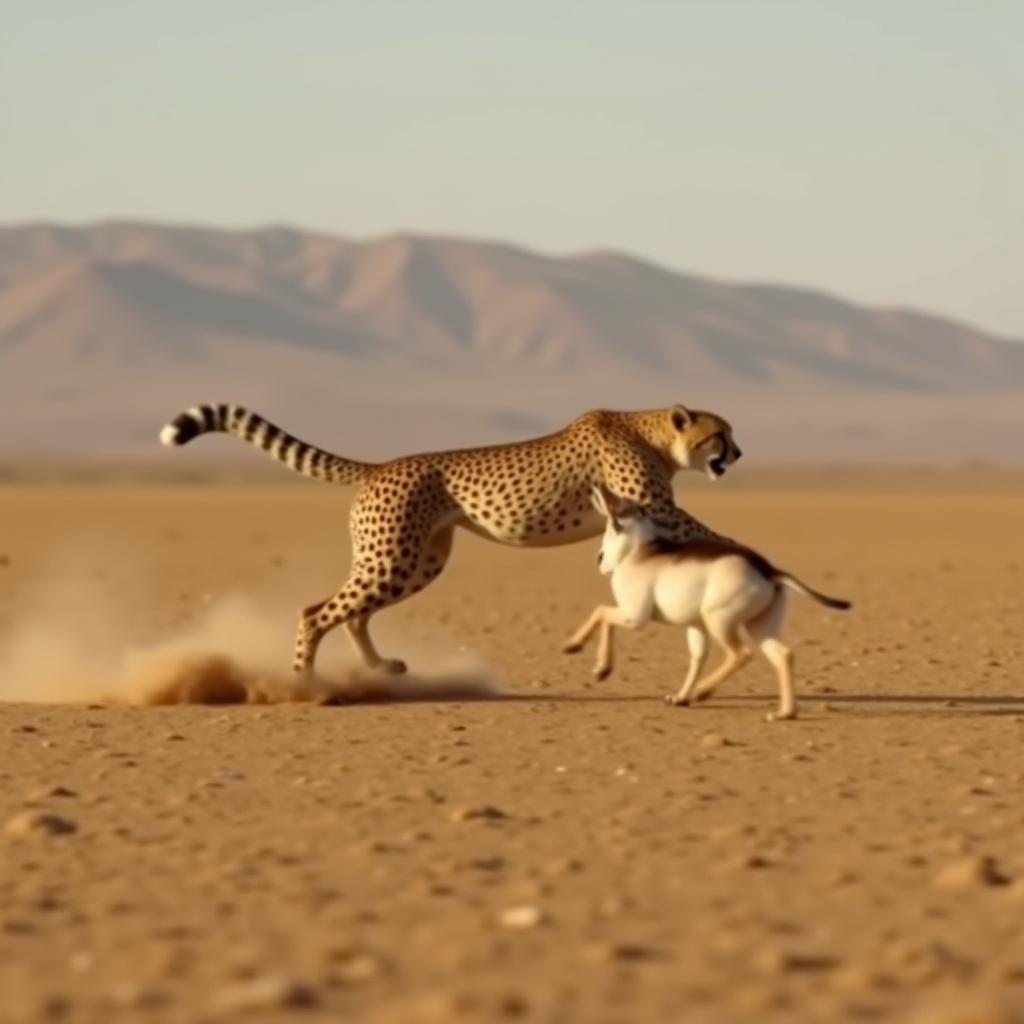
[(556, 852)]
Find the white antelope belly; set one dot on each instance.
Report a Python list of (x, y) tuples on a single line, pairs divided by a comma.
[(679, 593)]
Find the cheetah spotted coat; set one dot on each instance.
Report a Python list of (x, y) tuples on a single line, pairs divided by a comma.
[(533, 493)]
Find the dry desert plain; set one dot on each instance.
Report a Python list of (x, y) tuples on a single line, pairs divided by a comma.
[(550, 850)]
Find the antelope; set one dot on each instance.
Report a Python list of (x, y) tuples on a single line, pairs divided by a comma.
[(712, 587)]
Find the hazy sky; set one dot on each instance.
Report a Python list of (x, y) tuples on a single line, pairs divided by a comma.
[(872, 148)]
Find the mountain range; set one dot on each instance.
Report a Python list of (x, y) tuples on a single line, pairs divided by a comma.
[(378, 347)]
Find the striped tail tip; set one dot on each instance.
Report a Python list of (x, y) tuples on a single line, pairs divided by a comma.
[(181, 430)]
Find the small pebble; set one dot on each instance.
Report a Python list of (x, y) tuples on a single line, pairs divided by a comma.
[(46, 792), (268, 992), (485, 812), (521, 918), (39, 823), (358, 968), (970, 873)]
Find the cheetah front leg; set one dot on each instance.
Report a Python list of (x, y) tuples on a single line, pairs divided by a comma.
[(640, 477)]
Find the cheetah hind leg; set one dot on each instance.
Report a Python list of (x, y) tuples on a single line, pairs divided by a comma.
[(358, 631), (351, 607), (364, 594), (345, 608)]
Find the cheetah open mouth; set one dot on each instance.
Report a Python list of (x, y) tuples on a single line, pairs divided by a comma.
[(716, 467)]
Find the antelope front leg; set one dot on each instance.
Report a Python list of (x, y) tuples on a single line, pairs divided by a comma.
[(698, 643), (575, 643), (610, 617), (603, 665)]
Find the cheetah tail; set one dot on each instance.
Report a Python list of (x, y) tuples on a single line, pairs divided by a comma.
[(254, 429)]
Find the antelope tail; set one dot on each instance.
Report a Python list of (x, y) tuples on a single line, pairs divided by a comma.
[(797, 586)]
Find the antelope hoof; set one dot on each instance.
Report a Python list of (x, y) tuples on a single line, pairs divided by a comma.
[(392, 667), (601, 674), (572, 647), (781, 716), (674, 700)]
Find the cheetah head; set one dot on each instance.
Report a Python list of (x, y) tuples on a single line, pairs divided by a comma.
[(701, 441)]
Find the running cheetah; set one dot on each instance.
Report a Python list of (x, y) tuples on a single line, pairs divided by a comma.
[(532, 493)]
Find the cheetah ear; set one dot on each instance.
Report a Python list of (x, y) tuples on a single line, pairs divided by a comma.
[(682, 418)]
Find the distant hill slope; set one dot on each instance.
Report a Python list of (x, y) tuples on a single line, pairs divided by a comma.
[(376, 347)]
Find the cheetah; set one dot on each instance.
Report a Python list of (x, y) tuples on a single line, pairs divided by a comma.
[(533, 493)]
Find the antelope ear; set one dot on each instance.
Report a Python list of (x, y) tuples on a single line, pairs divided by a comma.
[(620, 508), (606, 500), (681, 417), (626, 508)]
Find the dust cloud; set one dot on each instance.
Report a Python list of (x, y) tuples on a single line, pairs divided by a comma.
[(70, 644)]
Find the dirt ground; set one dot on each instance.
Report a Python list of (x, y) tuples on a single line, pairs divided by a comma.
[(555, 851)]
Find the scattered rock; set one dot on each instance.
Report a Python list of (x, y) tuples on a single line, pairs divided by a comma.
[(726, 833), (713, 740), (268, 992), (129, 995), (773, 960), (485, 812), (486, 863), (46, 792), (358, 968), (751, 862), (521, 918), (922, 964), (632, 952), (512, 1004), (970, 873), (563, 866), (39, 823)]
